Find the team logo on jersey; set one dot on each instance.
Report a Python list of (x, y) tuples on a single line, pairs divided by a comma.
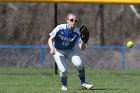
[(67, 38), (74, 37)]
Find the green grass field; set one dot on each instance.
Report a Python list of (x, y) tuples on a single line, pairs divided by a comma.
[(104, 82)]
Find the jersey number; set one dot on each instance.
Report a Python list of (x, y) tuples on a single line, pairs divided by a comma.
[(65, 43)]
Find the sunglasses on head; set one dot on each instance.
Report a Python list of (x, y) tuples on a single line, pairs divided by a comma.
[(72, 20)]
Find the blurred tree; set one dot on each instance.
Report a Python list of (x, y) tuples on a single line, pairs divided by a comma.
[(100, 25)]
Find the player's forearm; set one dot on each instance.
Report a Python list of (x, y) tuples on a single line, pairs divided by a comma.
[(50, 42), (82, 46)]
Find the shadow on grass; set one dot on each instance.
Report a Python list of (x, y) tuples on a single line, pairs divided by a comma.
[(103, 89)]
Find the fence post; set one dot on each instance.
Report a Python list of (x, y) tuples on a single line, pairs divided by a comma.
[(123, 59), (41, 57)]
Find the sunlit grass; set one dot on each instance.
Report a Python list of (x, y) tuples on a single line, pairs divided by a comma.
[(104, 82)]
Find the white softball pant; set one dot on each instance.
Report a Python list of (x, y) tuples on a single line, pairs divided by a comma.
[(72, 55)]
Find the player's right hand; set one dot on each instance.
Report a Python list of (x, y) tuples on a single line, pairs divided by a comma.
[(52, 51)]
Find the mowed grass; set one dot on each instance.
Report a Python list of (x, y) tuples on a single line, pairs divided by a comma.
[(104, 82)]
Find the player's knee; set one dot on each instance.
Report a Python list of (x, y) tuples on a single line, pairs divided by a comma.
[(63, 73)]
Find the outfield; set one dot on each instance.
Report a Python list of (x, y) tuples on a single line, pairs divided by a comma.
[(104, 82)]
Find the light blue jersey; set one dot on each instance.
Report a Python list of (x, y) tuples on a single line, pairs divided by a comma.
[(63, 39)]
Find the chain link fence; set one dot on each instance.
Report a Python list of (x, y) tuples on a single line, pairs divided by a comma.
[(25, 28), (37, 60)]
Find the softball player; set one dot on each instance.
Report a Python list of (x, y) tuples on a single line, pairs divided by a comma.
[(61, 42)]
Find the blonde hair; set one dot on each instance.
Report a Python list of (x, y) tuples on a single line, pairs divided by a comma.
[(69, 15)]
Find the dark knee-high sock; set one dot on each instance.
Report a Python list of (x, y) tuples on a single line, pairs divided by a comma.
[(82, 76), (64, 81)]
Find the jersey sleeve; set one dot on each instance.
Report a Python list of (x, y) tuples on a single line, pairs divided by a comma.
[(54, 32)]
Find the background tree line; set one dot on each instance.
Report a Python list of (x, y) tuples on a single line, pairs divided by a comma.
[(31, 23)]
